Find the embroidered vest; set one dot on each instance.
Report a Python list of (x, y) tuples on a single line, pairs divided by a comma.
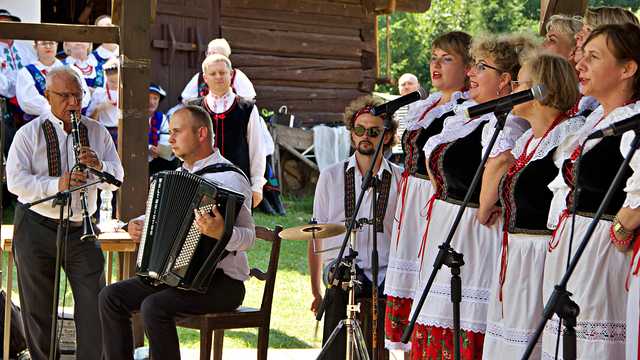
[(597, 168), (230, 129), (53, 146), (528, 197), (350, 195), (453, 165)]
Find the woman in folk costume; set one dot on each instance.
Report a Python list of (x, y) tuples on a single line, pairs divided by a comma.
[(106, 51), (240, 83), (80, 57), (561, 39), (452, 158), (608, 71), (515, 303), (31, 81), (450, 61)]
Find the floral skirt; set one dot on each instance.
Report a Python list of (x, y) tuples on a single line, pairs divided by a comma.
[(436, 343)]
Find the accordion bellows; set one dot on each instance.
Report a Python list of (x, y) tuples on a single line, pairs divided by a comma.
[(172, 250)]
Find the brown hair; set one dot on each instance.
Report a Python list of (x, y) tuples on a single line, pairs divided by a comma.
[(557, 76), (456, 42), (507, 51), (361, 103), (200, 118), (604, 15), (623, 40)]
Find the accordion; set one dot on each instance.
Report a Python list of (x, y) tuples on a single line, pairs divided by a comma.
[(172, 250)]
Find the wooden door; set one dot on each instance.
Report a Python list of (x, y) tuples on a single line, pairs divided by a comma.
[(179, 39)]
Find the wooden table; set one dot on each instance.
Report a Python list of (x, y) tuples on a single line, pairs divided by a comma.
[(110, 242)]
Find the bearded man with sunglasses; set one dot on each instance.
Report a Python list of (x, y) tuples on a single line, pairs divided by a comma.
[(338, 189)]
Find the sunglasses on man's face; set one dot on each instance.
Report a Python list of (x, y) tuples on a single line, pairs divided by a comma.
[(373, 132)]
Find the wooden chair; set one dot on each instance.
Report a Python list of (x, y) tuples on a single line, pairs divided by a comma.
[(244, 317)]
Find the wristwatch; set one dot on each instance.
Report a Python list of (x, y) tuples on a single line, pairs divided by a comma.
[(619, 230)]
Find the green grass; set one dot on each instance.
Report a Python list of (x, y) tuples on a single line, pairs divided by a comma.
[(292, 324)]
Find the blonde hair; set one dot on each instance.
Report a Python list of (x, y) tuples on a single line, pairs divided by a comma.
[(216, 58), (557, 76), (362, 102), (605, 15), (507, 50), (220, 44), (565, 24)]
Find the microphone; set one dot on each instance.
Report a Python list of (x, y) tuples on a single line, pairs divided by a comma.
[(106, 177), (506, 102), (393, 105), (617, 128)]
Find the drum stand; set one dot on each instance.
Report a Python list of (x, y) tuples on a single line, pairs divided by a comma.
[(356, 346)]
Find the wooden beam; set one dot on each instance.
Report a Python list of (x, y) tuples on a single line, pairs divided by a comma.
[(60, 32), (134, 125)]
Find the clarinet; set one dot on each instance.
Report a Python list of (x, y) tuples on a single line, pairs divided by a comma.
[(87, 227)]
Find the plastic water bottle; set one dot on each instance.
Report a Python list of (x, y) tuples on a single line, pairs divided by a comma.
[(105, 207)]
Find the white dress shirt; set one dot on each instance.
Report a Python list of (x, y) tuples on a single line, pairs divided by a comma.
[(328, 207), (257, 149), (12, 59), (28, 169), (241, 84)]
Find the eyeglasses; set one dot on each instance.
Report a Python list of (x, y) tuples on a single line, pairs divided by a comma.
[(516, 84), (67, 96), (373, 132), (47, 43), (480, 67)]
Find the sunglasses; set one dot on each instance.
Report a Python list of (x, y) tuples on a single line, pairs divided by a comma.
[(373, 132)]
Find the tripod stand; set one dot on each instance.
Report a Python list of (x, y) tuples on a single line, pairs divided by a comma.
[(346, 272)]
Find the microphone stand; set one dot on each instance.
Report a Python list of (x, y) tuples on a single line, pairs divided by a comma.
[(560, 302), (447, 255), (60, 199), (334, 281)]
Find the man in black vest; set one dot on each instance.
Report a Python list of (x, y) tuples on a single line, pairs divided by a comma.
[(236, 123), (39, 165), (191, 139)]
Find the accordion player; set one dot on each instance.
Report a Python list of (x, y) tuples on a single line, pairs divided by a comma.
[(172, 249)]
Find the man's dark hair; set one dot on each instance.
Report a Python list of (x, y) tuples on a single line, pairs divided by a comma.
[(200, 117)]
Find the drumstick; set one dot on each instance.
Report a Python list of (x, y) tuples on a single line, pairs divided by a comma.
[(315, 331)]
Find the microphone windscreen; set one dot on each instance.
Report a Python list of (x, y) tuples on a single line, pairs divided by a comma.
[(539, 92), (423, 93)]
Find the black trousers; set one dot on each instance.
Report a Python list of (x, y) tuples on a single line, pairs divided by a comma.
[(159, 306), (34, 249), (336, 310)]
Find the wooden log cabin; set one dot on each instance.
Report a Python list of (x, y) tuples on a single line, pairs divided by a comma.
[(313, 56)]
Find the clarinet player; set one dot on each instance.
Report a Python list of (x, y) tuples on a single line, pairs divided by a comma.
[(39, 164)]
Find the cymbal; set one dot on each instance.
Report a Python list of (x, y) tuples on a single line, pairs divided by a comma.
[(312, 231)]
